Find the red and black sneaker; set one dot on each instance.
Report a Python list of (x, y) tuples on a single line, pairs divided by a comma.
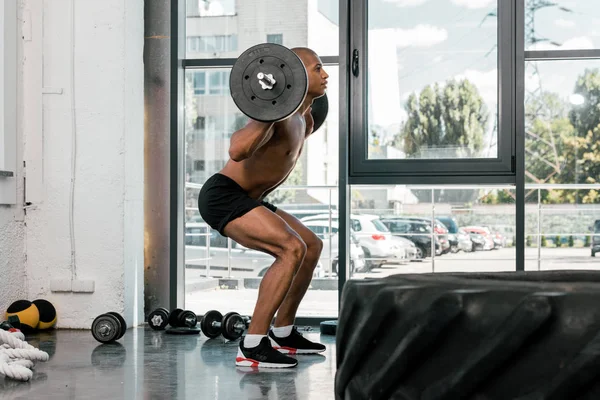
[(295, 343), (263, 356)]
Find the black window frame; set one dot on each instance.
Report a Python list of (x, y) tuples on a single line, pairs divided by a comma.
[(500, 170)]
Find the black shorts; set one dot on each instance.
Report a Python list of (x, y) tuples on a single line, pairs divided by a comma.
[(221, 200)]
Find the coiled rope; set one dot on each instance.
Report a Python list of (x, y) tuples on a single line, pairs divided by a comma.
[(17, 356)]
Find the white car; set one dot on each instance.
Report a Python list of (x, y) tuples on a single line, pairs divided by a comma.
[(376, 240), (244, 262), (331, 243)]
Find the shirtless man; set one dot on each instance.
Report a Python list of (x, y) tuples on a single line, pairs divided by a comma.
[(231, 201)]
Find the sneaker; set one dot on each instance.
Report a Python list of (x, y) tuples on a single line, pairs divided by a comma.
[(295, 344), (263, 356)]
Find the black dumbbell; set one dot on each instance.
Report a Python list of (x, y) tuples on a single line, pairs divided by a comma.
[(183, 318), (158, 319), (231, 326), (109, 327), (178, 318)]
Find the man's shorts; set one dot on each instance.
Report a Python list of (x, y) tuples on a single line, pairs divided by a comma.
[(221, 200)]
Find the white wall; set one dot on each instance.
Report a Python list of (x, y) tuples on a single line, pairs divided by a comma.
[(100, 101), (12, 227)]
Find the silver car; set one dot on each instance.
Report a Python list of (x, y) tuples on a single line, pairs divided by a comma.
[(376, 240)]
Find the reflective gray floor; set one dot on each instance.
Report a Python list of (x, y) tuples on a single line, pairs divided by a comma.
[(153, 365)]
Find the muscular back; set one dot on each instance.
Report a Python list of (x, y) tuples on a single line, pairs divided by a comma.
[(270, 165)]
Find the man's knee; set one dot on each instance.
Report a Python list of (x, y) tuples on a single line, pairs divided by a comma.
[(293, 248), (314, 247)]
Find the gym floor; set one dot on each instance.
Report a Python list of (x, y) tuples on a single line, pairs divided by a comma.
[(148, 364)]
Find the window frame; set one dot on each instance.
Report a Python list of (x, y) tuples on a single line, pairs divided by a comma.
[(500, 170)]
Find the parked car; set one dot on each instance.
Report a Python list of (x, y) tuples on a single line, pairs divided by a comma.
[(464, 241), (322, 230), (245, 262), (374, 238), (418, 232), (439, 229), (596, 238), (483, 238), (452, 225)]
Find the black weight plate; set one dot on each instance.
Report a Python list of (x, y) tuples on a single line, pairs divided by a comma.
[(173, 317), (188, 319), (329, 327), (287, 94), (320, 108), (158, 319), (122, 321), (183, 331), (228, 328), (206, 324), (106, 328)]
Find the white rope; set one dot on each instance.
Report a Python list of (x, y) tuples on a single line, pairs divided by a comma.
[(17, 356)]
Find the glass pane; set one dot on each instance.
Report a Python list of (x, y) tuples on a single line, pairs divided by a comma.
[(432, 79), (225, 28), (561, 24), (562, 106), (464, 229), (563, 159), (210, 119)]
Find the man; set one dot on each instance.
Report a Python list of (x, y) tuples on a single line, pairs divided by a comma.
[(231, 201)]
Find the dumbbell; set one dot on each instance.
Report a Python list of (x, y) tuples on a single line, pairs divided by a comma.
[(268, 83), (178, 318), (183, 318), (231, 326), (109, 327)]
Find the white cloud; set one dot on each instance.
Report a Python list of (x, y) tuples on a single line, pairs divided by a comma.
[(576, 43), (474, 3), (407, 3), (564, 23), (420, 36)]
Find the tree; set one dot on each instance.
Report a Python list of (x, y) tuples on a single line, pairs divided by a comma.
[(448, 122), (563, 147), (465, 118)]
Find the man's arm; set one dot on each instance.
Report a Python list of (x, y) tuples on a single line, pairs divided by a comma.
[(249, 139)]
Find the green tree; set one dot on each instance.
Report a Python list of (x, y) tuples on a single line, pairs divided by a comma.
[(465, 118), (564, 147), (547, 127), (448, 121)]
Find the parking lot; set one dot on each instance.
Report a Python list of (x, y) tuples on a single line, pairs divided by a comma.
[(323, 303)]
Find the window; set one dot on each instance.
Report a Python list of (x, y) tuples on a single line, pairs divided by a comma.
[(277, 39), (429, 88), (199, 82), (212, 44), (562, 132), (257, 21), (209, 8), (561, 25)]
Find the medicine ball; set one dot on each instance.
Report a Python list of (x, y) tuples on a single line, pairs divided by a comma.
[(27, 312), (47, 314)]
